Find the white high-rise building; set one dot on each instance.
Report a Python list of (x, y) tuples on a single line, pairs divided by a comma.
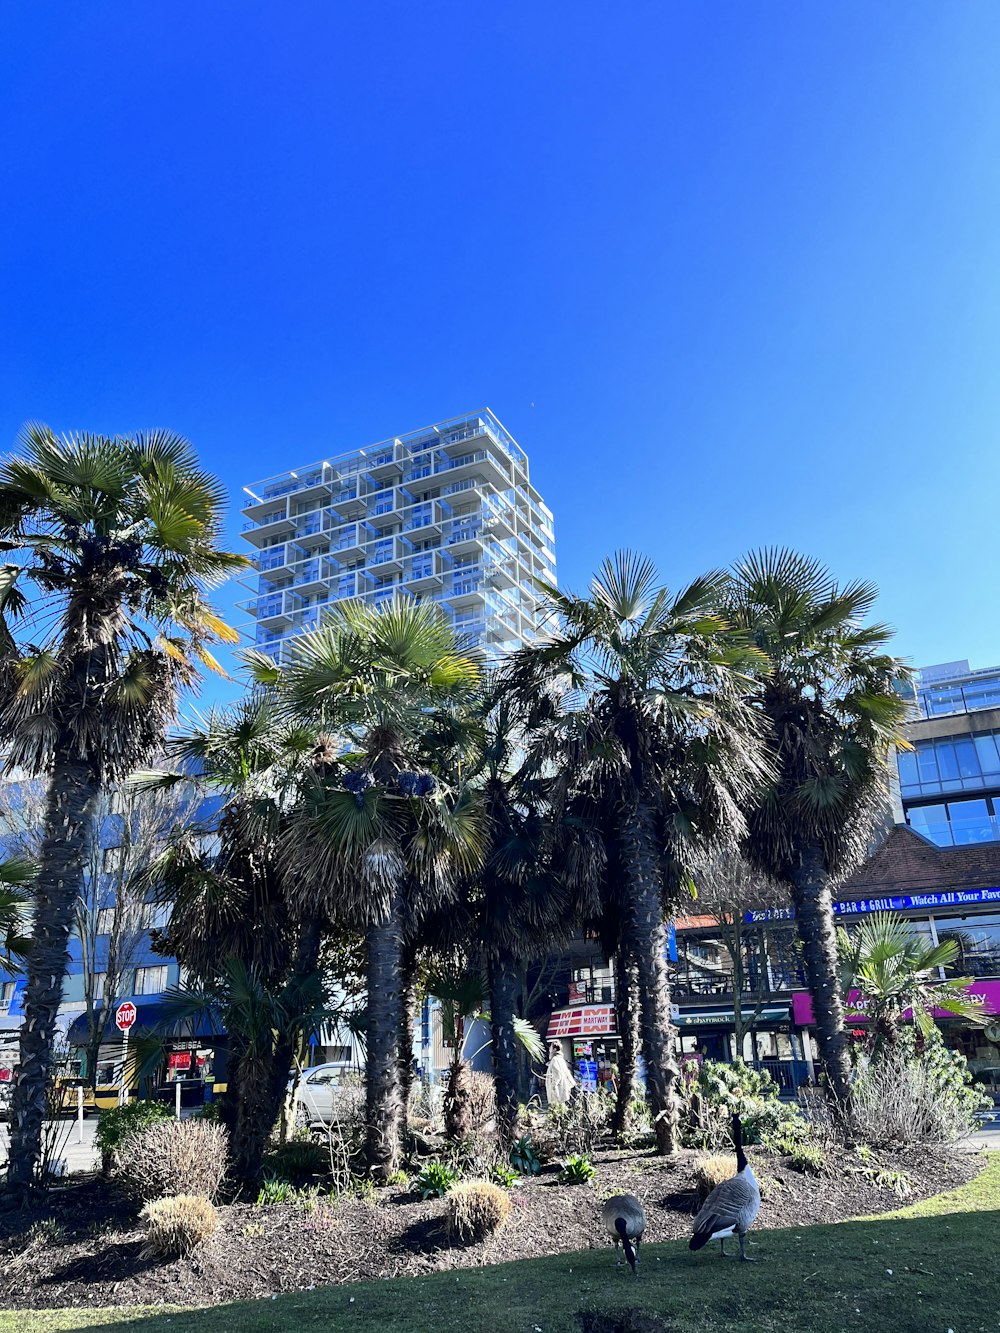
[(446, 513)]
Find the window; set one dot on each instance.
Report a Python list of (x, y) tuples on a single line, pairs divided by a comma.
[(978, 940), (150, 980), (7, 989), (109, 860)]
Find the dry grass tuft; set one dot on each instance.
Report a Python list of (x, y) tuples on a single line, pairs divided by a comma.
[(175, 1227), (476, 1209), (710, 1171)]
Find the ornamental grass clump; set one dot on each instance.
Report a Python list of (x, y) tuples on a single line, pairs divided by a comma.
[(476, 1209), (178, 1225), (171, 1158), (712, 1170)]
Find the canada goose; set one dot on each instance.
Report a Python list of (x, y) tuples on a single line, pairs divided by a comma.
[(625, 1221), (732, 1207)]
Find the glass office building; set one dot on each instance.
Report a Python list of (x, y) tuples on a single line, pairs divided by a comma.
[(950, 780), (446, 514)]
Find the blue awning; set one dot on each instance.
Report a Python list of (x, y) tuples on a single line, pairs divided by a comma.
[(156, 1019)]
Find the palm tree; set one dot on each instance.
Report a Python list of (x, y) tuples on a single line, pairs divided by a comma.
[(664, 747), (832, 710), (237, 924), (102, 621), (893, 971), (392, 827), (522, 905)]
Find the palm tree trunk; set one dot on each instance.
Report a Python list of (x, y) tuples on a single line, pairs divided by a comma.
[(385, 1012), (505, 985), (408, 988), (261, 1082), (646, 941), (70, 806), (627, 1022), (814, 920)]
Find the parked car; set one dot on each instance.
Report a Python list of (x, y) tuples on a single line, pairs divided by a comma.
[(327, 1094)]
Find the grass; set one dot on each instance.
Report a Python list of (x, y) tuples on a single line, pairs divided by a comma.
[(926, 1268)]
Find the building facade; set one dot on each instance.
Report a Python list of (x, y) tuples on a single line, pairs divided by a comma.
[(446, 514), (949, 782)]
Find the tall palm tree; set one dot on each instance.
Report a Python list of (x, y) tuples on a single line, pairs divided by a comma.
[(832, 711), (103, 620), (246, 936), (894, 971), (665, 748), (392, 827)]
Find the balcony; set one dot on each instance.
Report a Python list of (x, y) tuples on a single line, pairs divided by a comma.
[(348, 504), (278, 559), (261, 532), (692, 985)]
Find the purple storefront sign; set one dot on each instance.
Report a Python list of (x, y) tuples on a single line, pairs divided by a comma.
[(986, 991)]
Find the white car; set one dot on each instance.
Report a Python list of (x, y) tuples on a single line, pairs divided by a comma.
[(327, 1094)]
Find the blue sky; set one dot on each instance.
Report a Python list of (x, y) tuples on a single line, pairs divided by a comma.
[(728, 272)]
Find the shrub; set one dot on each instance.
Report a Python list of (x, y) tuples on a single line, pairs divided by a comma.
[(524, 1159), (808, 1158), (917, 1091), (476, 1209), (435, 1180), (710, 1171), (576, 1170), (172, 1157), (578, 1124), (398, 1179), (176, 1226), (482, 1100), (118, 1122), (298, 1161)]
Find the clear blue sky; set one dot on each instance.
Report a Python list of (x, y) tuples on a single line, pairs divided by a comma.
[(730, 273)]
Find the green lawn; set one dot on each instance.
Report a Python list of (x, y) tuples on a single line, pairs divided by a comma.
[(829, 1279)]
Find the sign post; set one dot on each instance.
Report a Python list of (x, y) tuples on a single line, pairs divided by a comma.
[(124, 1020)]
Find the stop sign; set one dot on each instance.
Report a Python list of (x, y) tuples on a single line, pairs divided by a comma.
[(125, 1015)]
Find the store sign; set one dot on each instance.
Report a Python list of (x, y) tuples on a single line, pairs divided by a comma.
[(587, 1070), (905, 902), (986, 992), (179, 1060), (593, 1020), (727, 1017)]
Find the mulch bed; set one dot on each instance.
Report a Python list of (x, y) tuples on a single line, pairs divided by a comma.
[(92, 1256)]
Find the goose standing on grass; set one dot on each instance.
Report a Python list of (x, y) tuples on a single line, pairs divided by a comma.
[(625, 1221), (732, 1207)]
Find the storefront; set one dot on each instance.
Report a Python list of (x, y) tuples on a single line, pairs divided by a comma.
[(588, 1038)]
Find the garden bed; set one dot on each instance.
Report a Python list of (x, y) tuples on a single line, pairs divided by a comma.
[(89, 1254)]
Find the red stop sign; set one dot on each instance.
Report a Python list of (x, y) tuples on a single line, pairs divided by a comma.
[(125, 1015)]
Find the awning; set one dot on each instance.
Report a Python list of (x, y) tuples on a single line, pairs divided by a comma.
[(727, 1017), (153, 1019)]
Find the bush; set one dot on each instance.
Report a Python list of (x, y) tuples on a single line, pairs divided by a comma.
[(504, 1175), (721, 1090), (117, 1123), (176, 1226), (710, 1171), (476, 1209), (524, 1159), (172, 1157), (578, 1124), (482, 1100), (917, 1091), (808, 1158), (299, 1161), (576, 1170), (435, 1180)]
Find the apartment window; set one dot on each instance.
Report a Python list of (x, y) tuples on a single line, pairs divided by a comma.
[(7, 989), (150, 980), (978, 940)]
